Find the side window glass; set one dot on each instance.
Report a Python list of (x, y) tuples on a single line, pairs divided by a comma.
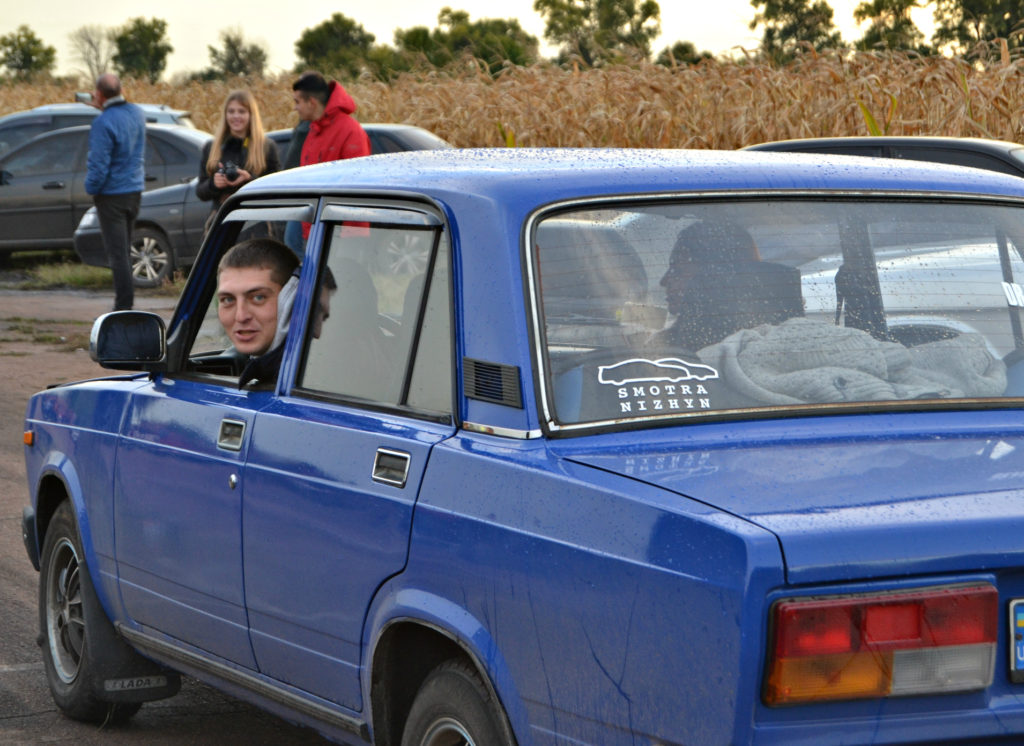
[(430, 387), (378, 321), (153, 154), (384, 144), (15, 135), (958, 158), (50, 156), (165, 151), (73, 120)]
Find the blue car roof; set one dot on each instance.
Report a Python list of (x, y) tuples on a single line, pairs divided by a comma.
[(555, 173)]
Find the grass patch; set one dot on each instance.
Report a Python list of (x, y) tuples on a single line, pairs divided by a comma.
[(67, 275), (62, 272)]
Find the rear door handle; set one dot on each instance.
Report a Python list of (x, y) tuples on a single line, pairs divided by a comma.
[(391, 467), (53, 185)]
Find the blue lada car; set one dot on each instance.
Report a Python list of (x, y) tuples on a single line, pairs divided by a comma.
[(565, 447)]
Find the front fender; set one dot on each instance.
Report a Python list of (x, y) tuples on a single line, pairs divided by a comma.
[(59, 480), (395, 604)]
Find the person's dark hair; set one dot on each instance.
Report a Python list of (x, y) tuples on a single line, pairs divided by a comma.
[(312, 84), (715, 241), (263, 253)]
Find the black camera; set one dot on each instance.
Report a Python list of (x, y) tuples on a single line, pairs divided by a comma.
[(230, 171)]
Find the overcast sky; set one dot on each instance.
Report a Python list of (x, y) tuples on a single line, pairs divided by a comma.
[(714, 25)]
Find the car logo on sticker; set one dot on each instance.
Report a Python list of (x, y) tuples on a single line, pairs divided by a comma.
[(641, 370)]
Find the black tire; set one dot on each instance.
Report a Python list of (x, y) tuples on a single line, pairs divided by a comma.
[(152, 258), (454, 708), (67, 604)]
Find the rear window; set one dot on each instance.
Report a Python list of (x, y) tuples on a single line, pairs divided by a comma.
[(700, 309)]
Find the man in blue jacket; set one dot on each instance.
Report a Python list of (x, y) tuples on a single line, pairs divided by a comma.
[(115, 174)]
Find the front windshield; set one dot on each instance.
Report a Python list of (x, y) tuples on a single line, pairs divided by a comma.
[(696, 308)]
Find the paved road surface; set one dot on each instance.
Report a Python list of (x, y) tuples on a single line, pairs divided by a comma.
[(42, 340)]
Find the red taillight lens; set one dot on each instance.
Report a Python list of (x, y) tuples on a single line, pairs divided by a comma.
[(935, 640)]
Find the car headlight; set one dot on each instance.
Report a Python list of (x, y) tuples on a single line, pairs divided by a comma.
[(89, 220)]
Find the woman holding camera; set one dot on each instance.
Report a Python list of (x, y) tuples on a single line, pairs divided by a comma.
[(239, 152)]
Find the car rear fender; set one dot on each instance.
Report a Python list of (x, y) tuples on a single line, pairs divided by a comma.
[(452, 628)]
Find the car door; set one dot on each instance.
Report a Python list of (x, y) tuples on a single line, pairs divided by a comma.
[(177, 485), (37, 184), (334, 466)]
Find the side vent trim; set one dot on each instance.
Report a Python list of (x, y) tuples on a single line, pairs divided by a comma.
[(492, 382)]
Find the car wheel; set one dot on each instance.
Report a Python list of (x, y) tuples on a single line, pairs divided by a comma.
[(151, 258), (67, 605), (454, 708)]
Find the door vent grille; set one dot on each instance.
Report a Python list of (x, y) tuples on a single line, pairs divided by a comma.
[(492, 382)]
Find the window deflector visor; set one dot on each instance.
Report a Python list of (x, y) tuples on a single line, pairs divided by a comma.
[(303, 212), (388, 215)]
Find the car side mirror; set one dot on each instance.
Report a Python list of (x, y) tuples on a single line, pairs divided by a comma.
[(129, 340), (5, 178)]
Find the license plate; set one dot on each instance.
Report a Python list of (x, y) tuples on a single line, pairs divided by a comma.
[(1017, 640)]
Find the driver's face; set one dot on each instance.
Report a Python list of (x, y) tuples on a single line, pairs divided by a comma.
[(247, 307)]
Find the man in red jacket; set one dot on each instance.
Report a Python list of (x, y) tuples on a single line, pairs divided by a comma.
[(333, 133)]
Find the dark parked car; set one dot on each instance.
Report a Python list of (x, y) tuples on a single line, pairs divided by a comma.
[(384, 138), (171, 221), (648, 447), (993, 155), (42, 182), (22, 126)]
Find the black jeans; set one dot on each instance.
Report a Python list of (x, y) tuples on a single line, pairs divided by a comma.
[(117, 213)]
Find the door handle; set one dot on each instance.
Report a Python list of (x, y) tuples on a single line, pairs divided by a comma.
[(231, 433), (53, 185), (391, 467)]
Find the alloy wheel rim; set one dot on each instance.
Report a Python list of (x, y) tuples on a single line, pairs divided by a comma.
[(447, 732), (148, 259), (65, 621)]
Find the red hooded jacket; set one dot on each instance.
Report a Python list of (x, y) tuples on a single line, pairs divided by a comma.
[(335, 135)]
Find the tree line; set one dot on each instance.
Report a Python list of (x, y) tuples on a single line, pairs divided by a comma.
[(587, 33)]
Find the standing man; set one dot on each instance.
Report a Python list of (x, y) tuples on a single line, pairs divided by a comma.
[(333, 133), (115, 175)]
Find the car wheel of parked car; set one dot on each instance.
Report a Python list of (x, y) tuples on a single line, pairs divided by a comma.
[(408, 254), (454, 707), (68, 612), (151, 257)]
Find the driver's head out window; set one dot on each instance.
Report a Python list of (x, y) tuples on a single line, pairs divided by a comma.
[(248, 315), (250, 279), (370, 313)]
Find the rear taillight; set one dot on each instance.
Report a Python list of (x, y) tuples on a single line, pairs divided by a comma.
[(924, 642)]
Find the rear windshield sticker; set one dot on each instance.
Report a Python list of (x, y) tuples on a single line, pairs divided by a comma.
[(664, 385)]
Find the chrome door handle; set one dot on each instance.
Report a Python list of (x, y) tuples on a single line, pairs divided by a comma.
[(231, 433), (391, 467)]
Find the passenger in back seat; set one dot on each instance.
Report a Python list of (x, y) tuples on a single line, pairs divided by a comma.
[(716, 284)]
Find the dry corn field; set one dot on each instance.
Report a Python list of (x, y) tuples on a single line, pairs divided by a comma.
[(713, 105)]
